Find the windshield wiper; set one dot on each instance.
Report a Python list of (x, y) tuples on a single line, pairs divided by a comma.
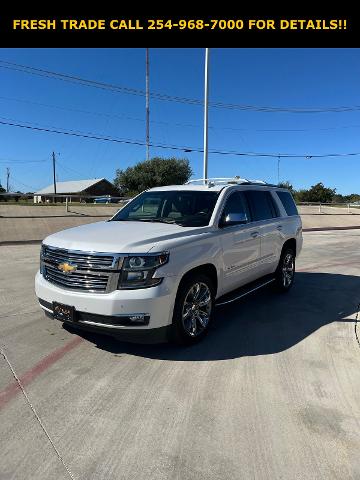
[(158, 220), (133, 220), (162, 220), (152, 220)]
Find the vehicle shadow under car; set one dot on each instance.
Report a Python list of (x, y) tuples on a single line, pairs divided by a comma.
[(262, 323)]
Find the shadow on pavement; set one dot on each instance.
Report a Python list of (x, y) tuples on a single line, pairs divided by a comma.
[(261, 324)]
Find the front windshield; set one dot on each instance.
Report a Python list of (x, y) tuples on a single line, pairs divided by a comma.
[(186, 208)]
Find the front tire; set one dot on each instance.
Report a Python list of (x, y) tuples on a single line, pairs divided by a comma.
[(285, 272), (193, 310)]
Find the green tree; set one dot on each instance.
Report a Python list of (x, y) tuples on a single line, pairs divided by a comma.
[(287, 185), (353, 197), (338, 198), (2, 197), (153, 173), (316, 193), (301, 196)]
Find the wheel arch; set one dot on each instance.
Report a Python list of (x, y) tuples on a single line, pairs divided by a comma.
[(290, 243), (207, 269)]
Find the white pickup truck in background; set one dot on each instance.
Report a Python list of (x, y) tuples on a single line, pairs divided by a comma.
[(156, 270)]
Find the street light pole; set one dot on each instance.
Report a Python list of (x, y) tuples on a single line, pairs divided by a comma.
[(206, 101), (7, 179), (54, 174), (147, 108)]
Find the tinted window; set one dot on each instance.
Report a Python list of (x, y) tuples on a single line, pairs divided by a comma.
[(186, 208), (288, 202), (261, 204), (236, 203)]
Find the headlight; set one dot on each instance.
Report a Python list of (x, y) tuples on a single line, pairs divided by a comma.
[(138, 270)]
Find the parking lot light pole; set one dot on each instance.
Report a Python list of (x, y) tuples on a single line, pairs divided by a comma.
[(147, 107), (206, 101), (54, 175)]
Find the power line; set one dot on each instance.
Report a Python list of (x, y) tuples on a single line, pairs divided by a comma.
[(23, 184), (20, 162), (77, 110), (65, 167), (34, 124), (175, 124), (165, 97), (185, 149)]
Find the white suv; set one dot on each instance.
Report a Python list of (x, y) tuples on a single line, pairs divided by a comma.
[(157, 269)]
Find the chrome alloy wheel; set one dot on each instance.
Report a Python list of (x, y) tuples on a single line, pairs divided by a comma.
[(288, 270), (197, 309)]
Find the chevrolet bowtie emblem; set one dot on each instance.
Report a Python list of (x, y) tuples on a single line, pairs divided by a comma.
[(66, 267)]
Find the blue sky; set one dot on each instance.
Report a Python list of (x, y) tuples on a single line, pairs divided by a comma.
[(301, 78)]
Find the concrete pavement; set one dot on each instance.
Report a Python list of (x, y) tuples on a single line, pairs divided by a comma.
[(272, 393)]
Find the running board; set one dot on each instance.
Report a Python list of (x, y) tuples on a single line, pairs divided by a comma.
[(243, 291)]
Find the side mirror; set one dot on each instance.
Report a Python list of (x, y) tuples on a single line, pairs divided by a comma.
[(234, 219)]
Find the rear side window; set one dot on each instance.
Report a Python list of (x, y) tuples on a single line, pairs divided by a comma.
[(288, 203), (262, 205)]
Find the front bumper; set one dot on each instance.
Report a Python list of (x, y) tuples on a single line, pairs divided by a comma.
[(134, 335), (112, 312)]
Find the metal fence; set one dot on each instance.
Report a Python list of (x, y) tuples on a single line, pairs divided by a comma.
[(305, 208), (62, 200), (319, 208)]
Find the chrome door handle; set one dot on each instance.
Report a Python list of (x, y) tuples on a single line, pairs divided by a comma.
[(255, 234)]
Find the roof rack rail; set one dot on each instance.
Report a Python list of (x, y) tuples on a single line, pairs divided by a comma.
[(226, 181), (219, 180)]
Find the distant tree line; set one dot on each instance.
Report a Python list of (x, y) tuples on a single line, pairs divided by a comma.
[(176, 171), (319, 193)]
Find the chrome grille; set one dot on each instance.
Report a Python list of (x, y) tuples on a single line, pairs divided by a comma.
[(93, 273), (77, 281), (83, 260)]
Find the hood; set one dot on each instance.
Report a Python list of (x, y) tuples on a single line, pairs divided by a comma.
[(121, 237)]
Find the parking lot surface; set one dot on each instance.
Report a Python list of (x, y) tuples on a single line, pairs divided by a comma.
[(272, 393)]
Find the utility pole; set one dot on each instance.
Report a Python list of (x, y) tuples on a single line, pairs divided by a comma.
[(147, 108), (7, 179), (278, 169), (54, 174), (206, 101)]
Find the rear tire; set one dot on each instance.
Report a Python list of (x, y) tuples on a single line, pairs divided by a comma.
[(285, 272), (193, 310)]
